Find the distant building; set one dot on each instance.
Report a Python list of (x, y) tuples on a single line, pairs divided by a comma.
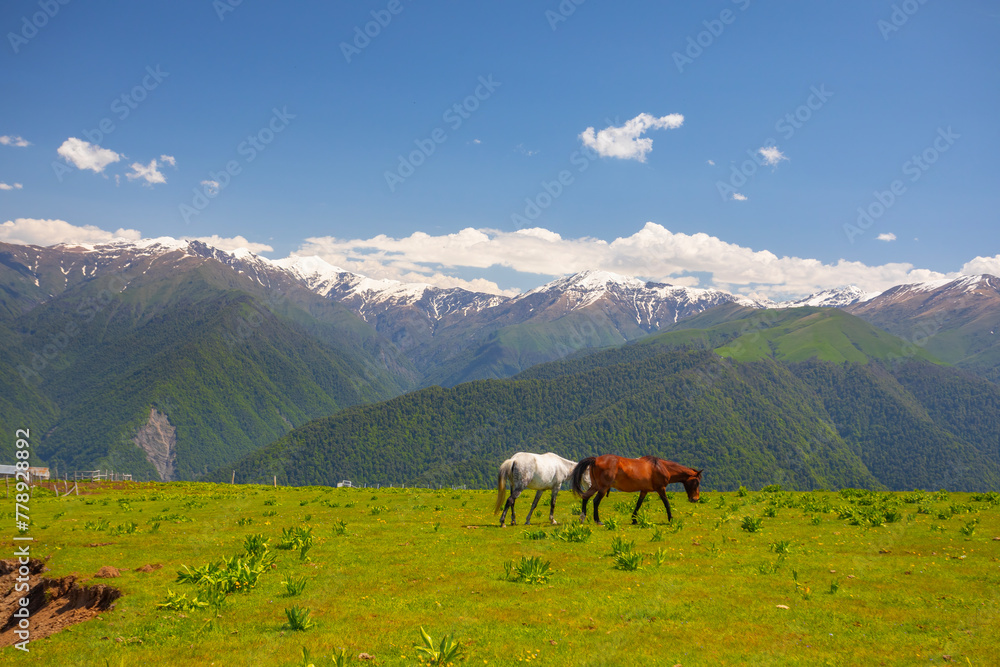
[(33, 473), (346, 482)]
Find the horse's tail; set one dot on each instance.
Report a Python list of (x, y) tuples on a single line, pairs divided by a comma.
[(579, 471), (506, 470)]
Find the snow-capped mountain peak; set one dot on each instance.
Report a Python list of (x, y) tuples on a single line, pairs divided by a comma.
[(832, 298)]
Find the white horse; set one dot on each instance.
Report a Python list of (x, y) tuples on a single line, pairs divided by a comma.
[(531, 471)]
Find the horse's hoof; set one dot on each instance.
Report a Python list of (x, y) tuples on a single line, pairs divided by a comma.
[(553, 522), (502, 526), (599, 523)]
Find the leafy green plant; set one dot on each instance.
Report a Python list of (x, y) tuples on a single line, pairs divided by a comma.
[(298, 619), (528, 570), (611, 523), (100, 524), (441, 654), (619, 545), (255, 544), (574, 532), (378, 509), (628, 560), (660, 556), (175, 602), (642, 520), (535, 534), (340, 657), (816, 520), (270, 512), (127, 528), (270, 501), (245, 521), (751, 525), (834, 587), (969, 529), (657, 535), (742, 492), (772, 488), (771, 511), (781, 547), (294, 587), (340, 528)]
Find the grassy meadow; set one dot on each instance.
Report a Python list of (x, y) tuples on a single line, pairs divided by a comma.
[(759, 577)]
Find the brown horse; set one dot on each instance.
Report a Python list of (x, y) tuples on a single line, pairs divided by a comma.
[(643, 475)]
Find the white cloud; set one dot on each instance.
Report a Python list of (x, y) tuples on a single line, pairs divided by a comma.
[(85, 155), (169, 159), (14, 140), (5, 186), (211, 188), (980, 265), (624, 142), (150, 173), (31, 231), (524, 151), (653, 253), (772, 156), (886, 236), (739, 197), (230, 243), (711, 162)]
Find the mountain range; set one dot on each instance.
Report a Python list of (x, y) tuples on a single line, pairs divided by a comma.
[(171, 358)]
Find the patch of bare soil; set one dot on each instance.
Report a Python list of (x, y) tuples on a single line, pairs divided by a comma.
[(108, 572), (54, 604), (148, 567)]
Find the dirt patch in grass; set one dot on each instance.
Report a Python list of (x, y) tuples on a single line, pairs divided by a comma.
[(54, 604), (108, 572), (148, 567)]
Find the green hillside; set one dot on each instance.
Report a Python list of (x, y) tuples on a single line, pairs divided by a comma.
[(230, 366), (777, 413)]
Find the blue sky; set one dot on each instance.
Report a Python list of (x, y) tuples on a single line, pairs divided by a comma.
[(872, 85)]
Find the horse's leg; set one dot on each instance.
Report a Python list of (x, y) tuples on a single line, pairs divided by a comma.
[(538, 496), (666, 503), (552, 507), (642, 497), (597, 503), (514, 494), (586, 498), (509, 505)]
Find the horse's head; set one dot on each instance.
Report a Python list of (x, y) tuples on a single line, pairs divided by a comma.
[(691, 485)]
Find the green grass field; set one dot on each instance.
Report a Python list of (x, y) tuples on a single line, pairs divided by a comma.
[(828, 578)]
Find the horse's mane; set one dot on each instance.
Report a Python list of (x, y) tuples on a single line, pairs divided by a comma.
[(665, 464)]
